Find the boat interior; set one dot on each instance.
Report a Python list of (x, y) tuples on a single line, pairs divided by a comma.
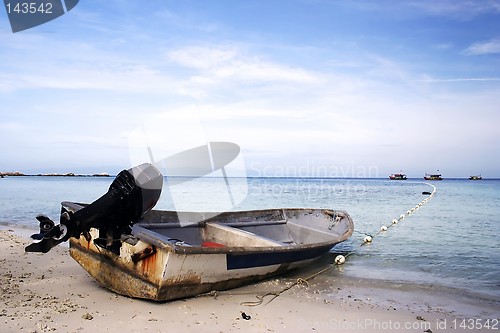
[(258, 228), (250, 229)]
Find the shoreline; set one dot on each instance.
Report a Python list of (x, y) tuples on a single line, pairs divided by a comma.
[(17, 174), (51, 292), (68, 174)]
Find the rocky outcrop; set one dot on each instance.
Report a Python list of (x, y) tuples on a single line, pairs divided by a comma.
[(102, 174), (12, 173), (69, 174)]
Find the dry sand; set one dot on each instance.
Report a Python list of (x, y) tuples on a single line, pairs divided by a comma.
[(51, 292)]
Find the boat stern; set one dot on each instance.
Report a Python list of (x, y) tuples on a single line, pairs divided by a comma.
[(136, 271)]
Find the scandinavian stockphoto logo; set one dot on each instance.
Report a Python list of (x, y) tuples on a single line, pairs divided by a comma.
[(24, 14), (201, 175)]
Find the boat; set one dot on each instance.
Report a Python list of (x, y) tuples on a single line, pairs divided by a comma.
[(163, 260), (398, 176), (435, 176), (476, 177), (139, 252)]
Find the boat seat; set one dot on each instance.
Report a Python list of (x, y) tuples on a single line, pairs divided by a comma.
[(305, 235), (229, 236)]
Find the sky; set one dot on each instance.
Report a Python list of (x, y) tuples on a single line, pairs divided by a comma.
[(304, 87)]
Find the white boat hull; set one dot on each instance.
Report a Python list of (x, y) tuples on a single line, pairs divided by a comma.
[(158, 268)]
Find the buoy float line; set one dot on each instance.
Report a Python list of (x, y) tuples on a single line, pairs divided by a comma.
[(340, 259)]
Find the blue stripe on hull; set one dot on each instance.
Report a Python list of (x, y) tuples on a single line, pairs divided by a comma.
[(249, 260)]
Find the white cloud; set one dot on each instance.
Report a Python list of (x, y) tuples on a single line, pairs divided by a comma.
[(429, 79), (443, 46), (188, 22), (229, 63), (201, 57), (458, 9), (120, 78), (315, 106), (266, 71), (10, 126), (486, 47)]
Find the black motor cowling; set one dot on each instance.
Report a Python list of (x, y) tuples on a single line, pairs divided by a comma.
[(133, 192)]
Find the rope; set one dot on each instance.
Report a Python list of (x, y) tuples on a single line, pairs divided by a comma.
[(340, 259), (299, 281)]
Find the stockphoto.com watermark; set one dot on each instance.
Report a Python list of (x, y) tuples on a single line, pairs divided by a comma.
[(323, 184), (373, 324), (310, 169), (318, 188), (194, 159), (26, 14)]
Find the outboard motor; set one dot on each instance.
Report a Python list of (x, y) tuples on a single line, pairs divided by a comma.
[(133, 193)]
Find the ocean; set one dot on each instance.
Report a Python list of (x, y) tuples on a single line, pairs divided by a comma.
[(450, 242)]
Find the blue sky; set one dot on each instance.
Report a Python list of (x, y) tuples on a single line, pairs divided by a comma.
[(306, 88)]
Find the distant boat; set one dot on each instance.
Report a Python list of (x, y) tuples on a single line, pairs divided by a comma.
[(398, 176), (436, 176), (476, 177)]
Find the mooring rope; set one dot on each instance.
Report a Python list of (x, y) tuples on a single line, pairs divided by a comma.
[(340, 259)]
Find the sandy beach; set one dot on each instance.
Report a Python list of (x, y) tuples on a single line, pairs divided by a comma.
[(52, 293)]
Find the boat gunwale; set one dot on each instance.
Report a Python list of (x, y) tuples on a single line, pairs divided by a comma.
[(146, 236), (140, 231), (149, 236)]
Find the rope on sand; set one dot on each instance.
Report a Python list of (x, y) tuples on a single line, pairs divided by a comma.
[(340, 259)]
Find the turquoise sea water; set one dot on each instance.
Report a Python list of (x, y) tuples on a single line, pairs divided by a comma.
[(452, 241)]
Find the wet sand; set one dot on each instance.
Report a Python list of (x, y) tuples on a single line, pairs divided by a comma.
[(52, 293)]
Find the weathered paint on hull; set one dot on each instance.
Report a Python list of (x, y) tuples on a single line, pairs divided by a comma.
[(112, 276), (184, 275), (152, 265)]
